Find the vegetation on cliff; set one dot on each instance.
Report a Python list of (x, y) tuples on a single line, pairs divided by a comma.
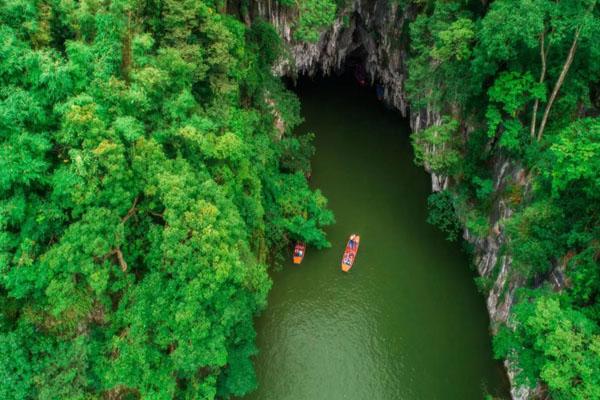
[(149, 174), (314, 16), (144, 188), (519, 81)]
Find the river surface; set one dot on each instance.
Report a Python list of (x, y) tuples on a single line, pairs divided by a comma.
[(407, 322)]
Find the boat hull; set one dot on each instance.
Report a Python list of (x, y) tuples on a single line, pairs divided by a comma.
[(350, 253), (299, 251)]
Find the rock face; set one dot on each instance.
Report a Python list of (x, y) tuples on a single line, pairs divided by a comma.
[(376, 31), (371, 28)]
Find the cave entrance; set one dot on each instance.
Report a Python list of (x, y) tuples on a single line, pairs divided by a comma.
[(352, 76), (354, 64)]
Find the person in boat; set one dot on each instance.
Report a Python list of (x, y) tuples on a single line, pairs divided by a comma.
[(352, 243)]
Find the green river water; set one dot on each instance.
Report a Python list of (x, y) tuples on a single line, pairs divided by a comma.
[(407, 322)]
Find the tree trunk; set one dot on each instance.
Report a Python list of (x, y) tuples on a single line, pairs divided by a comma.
[(543, 56), (559, 82)]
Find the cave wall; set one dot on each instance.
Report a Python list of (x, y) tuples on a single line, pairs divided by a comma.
[(379, 27), (374, 25)]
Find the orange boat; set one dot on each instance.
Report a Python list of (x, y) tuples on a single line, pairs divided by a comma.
[(299, 252), (350, 253)]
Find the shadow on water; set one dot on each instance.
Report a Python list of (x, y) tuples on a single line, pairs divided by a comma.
[(407, 321)]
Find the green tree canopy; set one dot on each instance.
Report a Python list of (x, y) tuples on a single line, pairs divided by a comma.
[(143, 189)]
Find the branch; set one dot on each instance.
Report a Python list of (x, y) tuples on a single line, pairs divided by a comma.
[(159, 215), (559, 82), (122, 262), (543, 56), (131, 211), (117, 252)]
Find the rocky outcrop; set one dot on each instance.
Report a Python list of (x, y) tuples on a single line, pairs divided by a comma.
[(496, 267), (374, 30)]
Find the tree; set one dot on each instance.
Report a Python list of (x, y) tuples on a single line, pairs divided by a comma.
[(144, 189), (438, 147), (519, 78), (554, 342)]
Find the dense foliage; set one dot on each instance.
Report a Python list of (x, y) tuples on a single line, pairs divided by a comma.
[(313, 16), (518, 81), (148, 176)]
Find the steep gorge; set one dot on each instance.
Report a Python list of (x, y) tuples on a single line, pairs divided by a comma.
[(377, 30)]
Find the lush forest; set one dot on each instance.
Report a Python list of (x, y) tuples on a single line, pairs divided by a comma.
[(148, 177), (519, 82)]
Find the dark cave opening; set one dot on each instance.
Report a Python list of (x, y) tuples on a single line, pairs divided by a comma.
[(354, 66)]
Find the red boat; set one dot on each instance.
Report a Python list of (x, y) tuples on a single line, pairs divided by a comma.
[(299, 252), (350, 253)]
